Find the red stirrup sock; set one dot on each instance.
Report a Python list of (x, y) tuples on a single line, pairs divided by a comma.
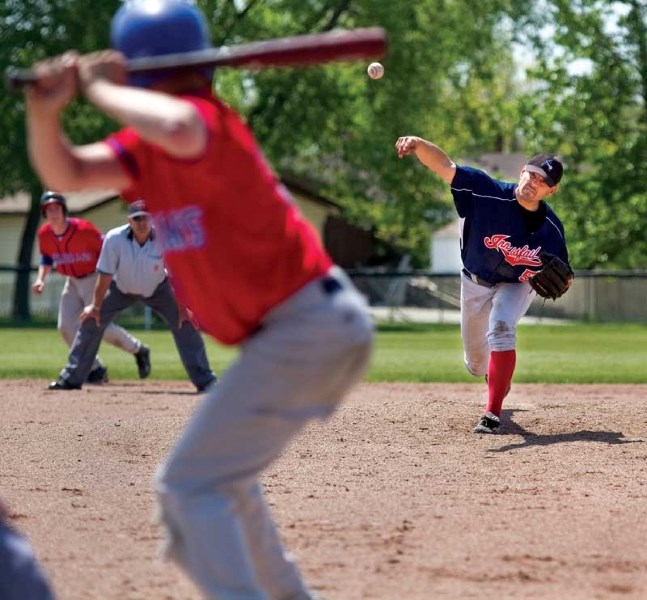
[(499, 377)]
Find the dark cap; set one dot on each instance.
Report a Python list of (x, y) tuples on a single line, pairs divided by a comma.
[(50, 197), (137, 209), (548, 166)]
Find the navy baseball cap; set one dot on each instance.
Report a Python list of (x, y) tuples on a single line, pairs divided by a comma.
[(548, 166), (137, 209)]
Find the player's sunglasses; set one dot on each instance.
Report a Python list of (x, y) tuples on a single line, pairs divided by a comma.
[(140, 218)]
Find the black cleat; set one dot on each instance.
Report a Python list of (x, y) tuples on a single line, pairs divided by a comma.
[(489, 423), (204, 386), (143, 358), (63, 384), (98, 376)]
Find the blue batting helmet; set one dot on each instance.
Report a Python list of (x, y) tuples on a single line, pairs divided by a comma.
[(157, 27), (50, 197)]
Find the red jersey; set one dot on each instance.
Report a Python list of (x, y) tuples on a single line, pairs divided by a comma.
[(75, 253), (233, 240)]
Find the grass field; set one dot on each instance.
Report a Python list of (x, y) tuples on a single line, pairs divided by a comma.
[(581, 353)]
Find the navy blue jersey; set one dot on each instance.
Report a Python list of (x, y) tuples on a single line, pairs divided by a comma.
[(497, 243)]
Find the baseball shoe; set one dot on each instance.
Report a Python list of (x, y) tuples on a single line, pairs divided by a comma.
[(489, 423), (98, 376), (63, 384), (203, 387), (143, 358)]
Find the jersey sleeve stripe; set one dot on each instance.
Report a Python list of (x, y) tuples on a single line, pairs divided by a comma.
[(555, 226), (482, 195)]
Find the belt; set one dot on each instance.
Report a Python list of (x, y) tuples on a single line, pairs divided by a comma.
[(330, 285), (83, 276), (477, 279)]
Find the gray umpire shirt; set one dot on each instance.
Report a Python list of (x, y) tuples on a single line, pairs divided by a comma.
[(135, 269)]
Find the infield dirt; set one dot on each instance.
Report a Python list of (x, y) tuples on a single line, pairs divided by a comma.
[(393, 498)]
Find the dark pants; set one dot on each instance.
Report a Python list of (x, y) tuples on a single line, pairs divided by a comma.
[(21, 577), (188, 340)]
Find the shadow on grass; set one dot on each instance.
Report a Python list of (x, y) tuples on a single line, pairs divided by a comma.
[(533, 439), (116, 386)]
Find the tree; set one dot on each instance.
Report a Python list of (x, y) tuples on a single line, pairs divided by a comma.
[(596, 116), (29, 31), (444, 80), (447, 78)]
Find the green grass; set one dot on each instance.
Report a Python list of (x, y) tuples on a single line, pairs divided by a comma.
[(42, 353), (579, 353)]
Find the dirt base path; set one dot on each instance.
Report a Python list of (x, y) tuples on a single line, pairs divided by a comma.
[(393, 498)]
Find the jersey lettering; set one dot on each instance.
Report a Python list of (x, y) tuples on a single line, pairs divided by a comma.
[(513, 255), (180, 229), (526, 275), (67, 258)]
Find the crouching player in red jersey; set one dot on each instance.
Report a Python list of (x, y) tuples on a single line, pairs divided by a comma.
[(245, 261), (72, 247)]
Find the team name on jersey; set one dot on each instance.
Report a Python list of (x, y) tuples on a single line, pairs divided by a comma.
[(180, 229), (513, 255), (69, 258)]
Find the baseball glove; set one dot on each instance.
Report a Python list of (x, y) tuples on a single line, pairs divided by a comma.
[(554, 278)]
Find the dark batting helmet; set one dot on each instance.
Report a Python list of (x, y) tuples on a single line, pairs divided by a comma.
[(52, 198), (157, 27)]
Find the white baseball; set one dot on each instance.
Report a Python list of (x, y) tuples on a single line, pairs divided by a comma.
[(375, 70)]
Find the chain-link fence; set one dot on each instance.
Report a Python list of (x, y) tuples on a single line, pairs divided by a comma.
[(612, 296), (45, 306), (595, 296)]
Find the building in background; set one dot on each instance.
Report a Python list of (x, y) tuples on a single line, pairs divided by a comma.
[(106, 210), (349, 246)]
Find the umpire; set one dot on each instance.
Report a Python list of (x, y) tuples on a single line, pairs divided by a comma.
[(130, 270)]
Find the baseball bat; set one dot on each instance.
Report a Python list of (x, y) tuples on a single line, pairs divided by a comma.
[(295, 51)]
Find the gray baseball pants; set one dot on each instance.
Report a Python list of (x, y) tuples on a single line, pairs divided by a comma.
[(77, 294), (188, 340), (489, 318), (306, 356)]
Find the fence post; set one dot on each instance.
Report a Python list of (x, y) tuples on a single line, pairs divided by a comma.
[(592, 299)]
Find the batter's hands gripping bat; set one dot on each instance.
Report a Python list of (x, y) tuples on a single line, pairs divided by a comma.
[(296, 51)]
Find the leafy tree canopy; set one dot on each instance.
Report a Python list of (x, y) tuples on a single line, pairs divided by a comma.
[(596, 117), (449, 77)]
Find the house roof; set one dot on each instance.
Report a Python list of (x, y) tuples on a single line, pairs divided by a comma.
[(79, 202), (307, 188), (506, 165)]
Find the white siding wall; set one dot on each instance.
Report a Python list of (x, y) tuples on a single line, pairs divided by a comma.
[(445, 255), (105, 217)]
